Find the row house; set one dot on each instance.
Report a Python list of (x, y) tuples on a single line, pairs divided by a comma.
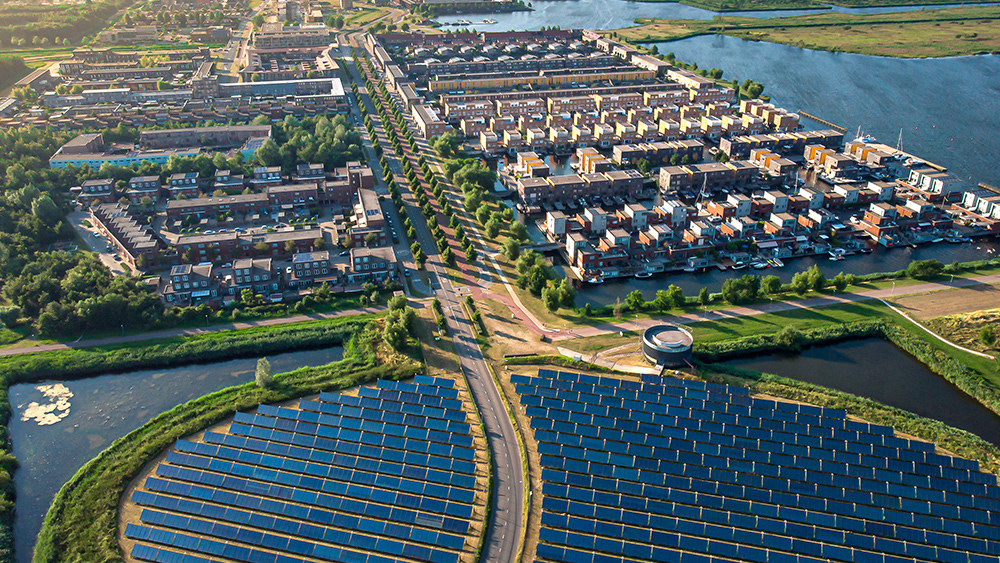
[(91, 192), (228, 182), (658, 153), (368, 220), (314, 173), (140, 187), (372, 265), (309, 268), (773, 164), (289, 197), (535, 191), (936, 185), (255, 274), (183, 185), (265, 177), (200, 207), (712, 176), (134, 242), (591, 161), (188, 284), (982, 201)]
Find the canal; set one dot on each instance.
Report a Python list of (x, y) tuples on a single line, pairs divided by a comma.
[(57, 426), (881, 260), (876, 369)]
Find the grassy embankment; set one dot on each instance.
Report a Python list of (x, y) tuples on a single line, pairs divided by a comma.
[(964, 329), (913, 34), (81, 523), (75, 364)]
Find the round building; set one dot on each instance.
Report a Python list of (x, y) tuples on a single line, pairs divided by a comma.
[(667, 345)]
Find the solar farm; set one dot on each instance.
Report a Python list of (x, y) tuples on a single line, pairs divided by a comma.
[(393, 472), (663, 469)]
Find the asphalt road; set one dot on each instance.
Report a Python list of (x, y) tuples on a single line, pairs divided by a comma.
[(504, 529)]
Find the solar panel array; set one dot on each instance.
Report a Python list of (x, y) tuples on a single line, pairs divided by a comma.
[(669, 470), (387, 475)]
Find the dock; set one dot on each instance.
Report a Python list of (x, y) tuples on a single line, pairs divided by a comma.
[(904, 155), (829, 124)]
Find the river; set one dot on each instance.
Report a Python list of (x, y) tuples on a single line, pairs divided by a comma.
[(881, 260), (86, 415), (878, 370), (613, 14)]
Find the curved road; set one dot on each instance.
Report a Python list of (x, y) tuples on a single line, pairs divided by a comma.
[(504, 528)]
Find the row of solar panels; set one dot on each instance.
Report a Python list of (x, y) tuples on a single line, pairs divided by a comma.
[(373, 424), (348, 402), (749, 512), (278, 444), (808, 476), (420, 427), (285, 518), (317, 477), (831, 423), (814, 484), (687, 385), (431, 484), (344, 497), (319, 410), (391, 396), (257, 553), (702, 416), (413, 452), (419, 387), (956, 467)]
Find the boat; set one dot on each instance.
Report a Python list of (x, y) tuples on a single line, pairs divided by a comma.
[(778, 263), (760, 265), (489, 20), (643, 275), (937, 240), (595, 279), (722, 267), (866, 251), (738, 266), (690, 269)]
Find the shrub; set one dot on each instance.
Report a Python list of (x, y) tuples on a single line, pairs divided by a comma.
[(923, 269)]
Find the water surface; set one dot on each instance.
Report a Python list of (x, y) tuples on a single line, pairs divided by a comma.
[(87, 415), (876, 369)]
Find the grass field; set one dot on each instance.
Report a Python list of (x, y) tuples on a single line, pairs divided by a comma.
[(963, 329), (913, 34), (949, 301)]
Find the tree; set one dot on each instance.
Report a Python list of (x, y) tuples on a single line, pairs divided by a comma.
[(247, 296), (816, 279), (319, 243), (644, 166), (46, 210), (492, 228), (550, 299), (635, 301), (290, 247), (483, 214), (371, 239), (470, 254), (789, 338), (617, 309), (511, 249), (923, 269), (800, 283), (741, 290), (770, 285), (840, 282), (518, 231), (262, 248), (263, 374), (394, 335), (662, 300), (704, 297)]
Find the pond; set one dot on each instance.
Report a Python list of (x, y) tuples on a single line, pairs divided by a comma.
[(876, 369), (56, 427)]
